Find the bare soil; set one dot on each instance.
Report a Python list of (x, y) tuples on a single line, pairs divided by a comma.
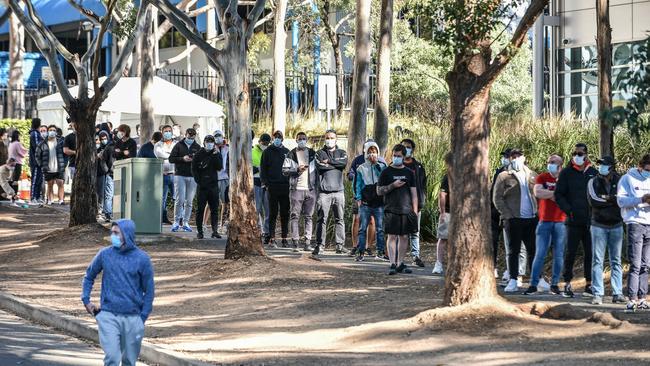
[(288, 309)]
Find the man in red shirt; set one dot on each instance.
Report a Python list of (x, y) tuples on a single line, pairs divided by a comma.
[(551, 229)]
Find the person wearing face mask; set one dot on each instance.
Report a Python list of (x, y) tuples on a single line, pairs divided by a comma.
[(224, 173), (606, 230), (105, 185), (162, 150), (70, 149), (124, 146), (330, 163), (444, 208), (421, 184), (551, 231), (514, 198), (127, 294), (633, 196), (36, 137), (277, 185), (6, 174), (205, 168), (261, 195), (398, 186), (300, 168), (370, 204), (497, 224), (50, 158), (146, 150), (571, 196), (184, 185)]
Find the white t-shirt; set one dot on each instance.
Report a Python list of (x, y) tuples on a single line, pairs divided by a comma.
[(52, 164), (303, 179), (526, 206)]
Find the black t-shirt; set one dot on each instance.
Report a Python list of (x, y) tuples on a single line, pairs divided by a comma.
[(398, 201), (444, 187), (70, 142)]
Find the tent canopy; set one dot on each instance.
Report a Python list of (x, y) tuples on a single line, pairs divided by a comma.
[(171, 104)]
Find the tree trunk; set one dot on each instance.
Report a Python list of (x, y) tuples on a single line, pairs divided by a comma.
[(383, 75), (340, 77), (83, 203), (279, 88), (146, 80), (470, 272), (16, 86), (361, 81), (244, 237), (604, 44)]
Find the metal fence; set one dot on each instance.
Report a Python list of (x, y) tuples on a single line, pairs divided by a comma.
[(31, 95)]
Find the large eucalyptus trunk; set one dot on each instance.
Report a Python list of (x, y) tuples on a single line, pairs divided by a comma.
[(340, 77), (244, 237), (383, 75), (279, 88), (361, 81), (604, 44), (83, 203), (16, 87), (146, 80), (470, 273)]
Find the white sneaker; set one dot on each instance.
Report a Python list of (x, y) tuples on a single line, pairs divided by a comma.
[(19, 201), (506, 276), (520, 282), (496, 273), (543, 285), (512, 286), (437, 268)]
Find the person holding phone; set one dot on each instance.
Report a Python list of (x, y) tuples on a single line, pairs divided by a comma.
[(398, 186), (182, 156)]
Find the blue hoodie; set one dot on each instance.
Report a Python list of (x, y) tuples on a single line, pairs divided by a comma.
[(127, 281), (631, 188)]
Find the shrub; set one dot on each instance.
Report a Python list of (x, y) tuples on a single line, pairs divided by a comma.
[(22, 125)]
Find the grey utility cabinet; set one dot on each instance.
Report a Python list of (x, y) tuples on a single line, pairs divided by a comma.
[(138, 193)]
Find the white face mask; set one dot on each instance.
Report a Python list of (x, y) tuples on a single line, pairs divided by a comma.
[(330, 143), (518, 163), (219, 140), (302, 144), (120, 135), (579, 160)]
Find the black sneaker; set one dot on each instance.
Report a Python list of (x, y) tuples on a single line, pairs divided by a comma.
[(294, 246), (341, 250), (216, 235), (316, 250), (643, 305), (555, 290), (393, 269), (285, 243), (359, 258), (199, 235), (568, 290), (588, 292), (307, 248), (353, 252), (618, 299), (403, 268), (531, 290), (369, 252), (267, 239), (418, 262)]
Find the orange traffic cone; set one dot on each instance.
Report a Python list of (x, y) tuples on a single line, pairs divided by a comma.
[(24, 187)]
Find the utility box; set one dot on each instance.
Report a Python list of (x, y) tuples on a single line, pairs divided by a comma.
[(138, 193)]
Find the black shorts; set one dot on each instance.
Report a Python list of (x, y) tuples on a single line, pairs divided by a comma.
[(53, 176), (400, 224), (355, 208)]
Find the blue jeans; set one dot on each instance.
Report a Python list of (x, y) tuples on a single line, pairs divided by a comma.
[(107, 208), (612, 240), (549, 234), (183, 199), (365, 213), (120, 337), (262, 207), (168, 187), (414, 239)]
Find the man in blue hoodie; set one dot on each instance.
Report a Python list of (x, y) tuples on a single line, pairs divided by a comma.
[(633, 196), (126, 295)]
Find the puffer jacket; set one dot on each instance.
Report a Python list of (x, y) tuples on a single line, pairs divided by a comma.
[(43, 156), (571, 194)]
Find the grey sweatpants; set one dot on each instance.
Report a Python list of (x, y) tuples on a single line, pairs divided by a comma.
[(325, 202), (303, 203)]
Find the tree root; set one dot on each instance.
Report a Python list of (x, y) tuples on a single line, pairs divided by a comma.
[(570, 312)]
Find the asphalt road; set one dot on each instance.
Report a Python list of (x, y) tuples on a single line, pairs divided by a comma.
[(23, 343)]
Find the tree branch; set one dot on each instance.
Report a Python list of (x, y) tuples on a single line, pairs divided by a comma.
[(167, 25), (94, 18), (67, 55), (253, 16), (504, 57), (177, 58), (105, 21), (347, 17), (5, 16)]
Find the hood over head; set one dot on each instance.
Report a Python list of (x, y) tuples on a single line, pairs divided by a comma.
[(368, 145), (127, 227), (636, 174)]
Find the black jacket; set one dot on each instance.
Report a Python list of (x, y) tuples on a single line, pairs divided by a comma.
[(271, 167), (571, 194), (106, 160), (602, 199), (183, 168), (420, 181), (330, 174), (205, 168), (495, 213), (122, 146), (43, 156)]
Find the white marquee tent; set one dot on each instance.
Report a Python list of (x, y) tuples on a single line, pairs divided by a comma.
[(171, 105)]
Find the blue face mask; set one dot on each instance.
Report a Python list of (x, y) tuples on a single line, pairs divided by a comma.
[(51, 134), (409, 152), (189, 141), (104, 142), (167, 135), (552, 168), (645, 174), (398, 160), (116, 241), (209, 146), (603, 170), (277, 142)]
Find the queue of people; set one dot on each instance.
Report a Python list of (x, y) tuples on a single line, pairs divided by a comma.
[(578, 204)]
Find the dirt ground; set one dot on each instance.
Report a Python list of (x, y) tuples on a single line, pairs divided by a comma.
[(289, 309)]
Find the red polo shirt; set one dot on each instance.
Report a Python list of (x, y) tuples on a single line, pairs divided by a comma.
[(548, 209)]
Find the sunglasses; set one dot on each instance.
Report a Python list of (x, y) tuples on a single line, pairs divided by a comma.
[(578, 153)]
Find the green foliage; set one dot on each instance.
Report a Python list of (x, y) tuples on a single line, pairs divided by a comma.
[(511, 94), (637, 86), (128, 14), (260, 43)]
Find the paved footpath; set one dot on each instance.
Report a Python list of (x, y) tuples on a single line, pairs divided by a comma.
[(23, 343)]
